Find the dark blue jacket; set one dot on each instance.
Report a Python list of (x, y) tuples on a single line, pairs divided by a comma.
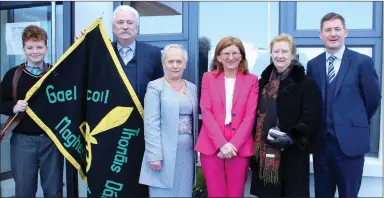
[(149, 66), (357, 96)]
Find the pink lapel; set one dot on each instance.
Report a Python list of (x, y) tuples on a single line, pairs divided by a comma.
[(238, 86), (220, 86)]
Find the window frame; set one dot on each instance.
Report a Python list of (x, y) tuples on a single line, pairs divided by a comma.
[(6, 5)]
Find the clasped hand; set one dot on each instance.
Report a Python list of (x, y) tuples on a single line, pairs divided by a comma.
[(279, 141), (227, 151), (155, 165)]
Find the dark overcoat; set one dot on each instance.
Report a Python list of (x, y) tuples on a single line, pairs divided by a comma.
[(298, 110)]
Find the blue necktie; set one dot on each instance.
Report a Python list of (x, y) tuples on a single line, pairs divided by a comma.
[(35, 70), (331, 69)]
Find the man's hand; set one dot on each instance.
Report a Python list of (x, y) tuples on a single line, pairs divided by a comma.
[(82, 32), (155, 165), (20, 106)]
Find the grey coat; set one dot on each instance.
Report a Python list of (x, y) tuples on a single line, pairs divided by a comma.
[(161, 114)]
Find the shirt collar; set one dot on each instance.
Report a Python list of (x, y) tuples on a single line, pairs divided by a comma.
[(132, 46), (338, 54), (40, 67)]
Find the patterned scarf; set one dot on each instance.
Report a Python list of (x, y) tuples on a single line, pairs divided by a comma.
[(267, 156)]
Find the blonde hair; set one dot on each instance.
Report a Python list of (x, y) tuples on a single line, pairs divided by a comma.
[(286, 38)]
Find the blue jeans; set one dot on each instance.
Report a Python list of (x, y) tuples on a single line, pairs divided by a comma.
[(28, 155)]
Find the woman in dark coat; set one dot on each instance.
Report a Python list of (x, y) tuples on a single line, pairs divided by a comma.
[(290, 105)]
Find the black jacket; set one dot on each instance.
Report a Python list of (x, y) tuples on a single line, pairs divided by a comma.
[(298, 104), (299, 113)]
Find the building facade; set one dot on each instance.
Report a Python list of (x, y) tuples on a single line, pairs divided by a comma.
[(198, 26)]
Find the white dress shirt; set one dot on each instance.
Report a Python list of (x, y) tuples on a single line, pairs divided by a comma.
[(336, 62), (229, 89)]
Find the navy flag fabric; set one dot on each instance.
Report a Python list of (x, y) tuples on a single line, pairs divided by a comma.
[(88, 107)]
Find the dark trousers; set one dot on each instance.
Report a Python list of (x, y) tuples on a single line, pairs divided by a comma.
[(333, 168), (28, 155)]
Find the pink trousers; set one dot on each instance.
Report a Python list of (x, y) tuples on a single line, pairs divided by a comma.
[(225, 177)]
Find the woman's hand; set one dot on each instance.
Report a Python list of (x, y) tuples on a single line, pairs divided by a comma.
[(227, 151), (280, 141), (155, 165), (20, 106)]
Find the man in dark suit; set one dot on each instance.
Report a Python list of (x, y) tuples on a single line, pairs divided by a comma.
[(351, 95), (140, 61)]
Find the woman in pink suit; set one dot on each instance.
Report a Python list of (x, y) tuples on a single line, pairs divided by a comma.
[(228, 103)]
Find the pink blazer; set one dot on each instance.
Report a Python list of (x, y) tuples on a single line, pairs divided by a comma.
[(212, 104)]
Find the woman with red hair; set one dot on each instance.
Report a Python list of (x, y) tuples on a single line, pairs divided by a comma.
[(228, 106)]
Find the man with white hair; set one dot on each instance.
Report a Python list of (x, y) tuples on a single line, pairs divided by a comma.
[(141, 61)]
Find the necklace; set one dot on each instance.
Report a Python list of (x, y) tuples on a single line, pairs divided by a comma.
[(179, 88)]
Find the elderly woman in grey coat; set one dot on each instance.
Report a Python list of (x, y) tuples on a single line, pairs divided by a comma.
[(170, 129)]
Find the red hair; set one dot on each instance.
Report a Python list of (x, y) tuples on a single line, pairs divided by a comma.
[(34, 33), (224, 43)]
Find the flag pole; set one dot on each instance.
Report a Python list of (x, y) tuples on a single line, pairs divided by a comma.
[(101, 16)]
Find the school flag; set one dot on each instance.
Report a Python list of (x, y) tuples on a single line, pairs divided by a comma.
[(88, 107)]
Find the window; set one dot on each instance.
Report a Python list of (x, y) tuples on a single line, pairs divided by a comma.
[(159, 17), (316, 10), (302, 19), (12, 55), (255, 24)]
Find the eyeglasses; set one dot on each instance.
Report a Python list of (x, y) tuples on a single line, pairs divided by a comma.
[(234, 54)]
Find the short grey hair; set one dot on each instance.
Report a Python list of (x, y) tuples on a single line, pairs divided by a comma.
[(174, 46), (126, 8)]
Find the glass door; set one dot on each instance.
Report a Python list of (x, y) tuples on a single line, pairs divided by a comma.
[(12, 23)]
